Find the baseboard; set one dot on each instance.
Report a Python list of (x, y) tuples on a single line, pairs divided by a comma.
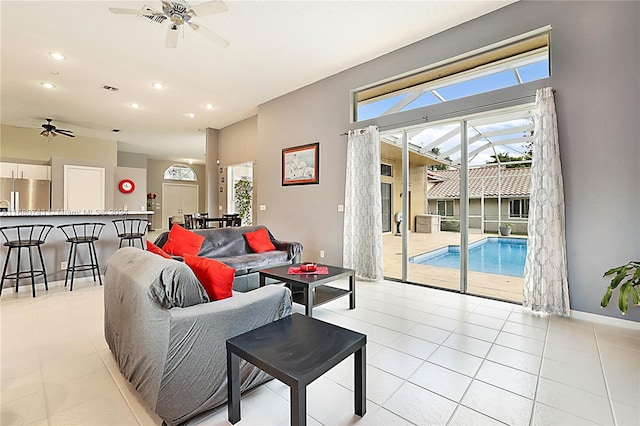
[(602, 319)]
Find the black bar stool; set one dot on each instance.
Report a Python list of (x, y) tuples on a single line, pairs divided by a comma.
[(82, 233), (131, 230), (25, 237)]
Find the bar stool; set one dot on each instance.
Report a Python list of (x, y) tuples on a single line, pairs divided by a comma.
[(77, 234), (25, 237), (131, 230)]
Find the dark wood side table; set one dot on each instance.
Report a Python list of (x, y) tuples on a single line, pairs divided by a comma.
[(296, 350), (315, 292)]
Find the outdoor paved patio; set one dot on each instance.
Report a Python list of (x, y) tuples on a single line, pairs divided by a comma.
[(496, 286)]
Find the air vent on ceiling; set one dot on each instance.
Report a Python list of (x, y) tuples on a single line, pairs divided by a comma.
[(109, 88), (154, 18)]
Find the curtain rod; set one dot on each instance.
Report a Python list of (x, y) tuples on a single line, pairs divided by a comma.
[(452, 114)]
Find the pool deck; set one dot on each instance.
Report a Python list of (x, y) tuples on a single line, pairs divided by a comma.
[(496, 286)]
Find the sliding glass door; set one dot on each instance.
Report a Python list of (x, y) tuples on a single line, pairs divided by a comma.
[(464, 180)]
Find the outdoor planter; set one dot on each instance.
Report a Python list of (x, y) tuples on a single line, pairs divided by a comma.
[(505, 230)]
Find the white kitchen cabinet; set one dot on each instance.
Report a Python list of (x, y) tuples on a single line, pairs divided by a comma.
[(25, 171)]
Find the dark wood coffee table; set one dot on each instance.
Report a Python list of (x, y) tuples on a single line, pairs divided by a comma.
[(296, 350), (314, 291)]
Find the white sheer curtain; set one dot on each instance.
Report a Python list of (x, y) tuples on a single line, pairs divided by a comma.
[(545, 272), (362, 247)]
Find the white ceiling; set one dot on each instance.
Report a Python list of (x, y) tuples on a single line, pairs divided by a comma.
[(275, 48)]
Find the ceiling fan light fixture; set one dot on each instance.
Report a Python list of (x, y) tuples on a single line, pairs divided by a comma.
[(158, 85), (57, 56), (47, 85)]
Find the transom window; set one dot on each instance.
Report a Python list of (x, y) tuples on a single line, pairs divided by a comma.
[(180, 172), (510, 64)]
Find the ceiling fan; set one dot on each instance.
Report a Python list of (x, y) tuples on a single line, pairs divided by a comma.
[(49, 130), (179, 13)]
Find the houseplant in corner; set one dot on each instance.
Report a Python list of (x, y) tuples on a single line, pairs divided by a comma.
[(628, 278), (505, 229)]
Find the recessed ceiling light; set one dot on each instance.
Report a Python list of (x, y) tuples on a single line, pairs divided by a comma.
[(190, 115), (134, 106), (47, 85), (158, 85), (209, 106), (57, 56)]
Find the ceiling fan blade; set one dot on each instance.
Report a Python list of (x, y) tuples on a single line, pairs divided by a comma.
[(172, 37), (213, 37), (67, 133), (210, 7), (120, 11)]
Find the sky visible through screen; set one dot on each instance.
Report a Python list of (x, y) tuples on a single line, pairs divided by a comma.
[(531, 72)]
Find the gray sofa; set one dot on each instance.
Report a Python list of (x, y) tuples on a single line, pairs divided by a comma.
[(176, 357), (228, 246)]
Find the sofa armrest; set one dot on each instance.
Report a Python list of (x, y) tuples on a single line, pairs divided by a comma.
[(293, 249), (195, 370)]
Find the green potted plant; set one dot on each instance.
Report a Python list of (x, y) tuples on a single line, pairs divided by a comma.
[(628, 278), (505, 229), (243, 199)]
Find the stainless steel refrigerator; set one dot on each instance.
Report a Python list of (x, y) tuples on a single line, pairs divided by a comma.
[(25, 194)]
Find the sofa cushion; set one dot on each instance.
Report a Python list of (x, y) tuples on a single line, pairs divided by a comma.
[(182, 242), (215, 277), (156, 250), (259, 241), (252, 262)]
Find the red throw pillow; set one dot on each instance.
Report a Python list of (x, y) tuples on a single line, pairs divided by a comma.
[(183, 242), (215, 277), (259, 241), (157, 250)]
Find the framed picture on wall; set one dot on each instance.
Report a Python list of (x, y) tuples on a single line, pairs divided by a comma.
[(301, 165)]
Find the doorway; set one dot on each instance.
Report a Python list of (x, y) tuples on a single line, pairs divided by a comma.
[(178, 199), (469, 176), (240, 191)]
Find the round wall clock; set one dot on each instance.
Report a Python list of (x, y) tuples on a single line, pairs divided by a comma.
[(126, 186)]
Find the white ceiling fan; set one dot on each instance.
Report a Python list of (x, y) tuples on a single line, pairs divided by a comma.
[(179, 13)]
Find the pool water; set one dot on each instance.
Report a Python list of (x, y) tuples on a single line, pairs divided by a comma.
[(499, 256)]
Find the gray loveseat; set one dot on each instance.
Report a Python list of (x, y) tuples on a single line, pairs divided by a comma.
[(176, 357), (229, 246)]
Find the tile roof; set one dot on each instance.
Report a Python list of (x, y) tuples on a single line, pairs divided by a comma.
[(514, 182)]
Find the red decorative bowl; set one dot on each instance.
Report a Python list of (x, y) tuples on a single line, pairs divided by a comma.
[(308, 267)]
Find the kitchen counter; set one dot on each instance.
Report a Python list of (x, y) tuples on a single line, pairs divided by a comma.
[(40, 213), (56, 249)]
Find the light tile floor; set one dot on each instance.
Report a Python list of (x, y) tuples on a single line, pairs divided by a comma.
[(434, 357)]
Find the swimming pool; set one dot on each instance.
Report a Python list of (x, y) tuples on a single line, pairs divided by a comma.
[(499, 256)]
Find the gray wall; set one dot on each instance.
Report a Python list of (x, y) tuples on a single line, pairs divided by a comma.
[(596, 72), (136, 200), (132, 159), (238, 144)]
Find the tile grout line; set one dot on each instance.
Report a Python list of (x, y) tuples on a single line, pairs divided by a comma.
[(484, 359), (544, 351), (44, 393), (115, 381), (604, 377)]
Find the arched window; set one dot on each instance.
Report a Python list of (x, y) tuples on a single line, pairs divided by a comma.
[(180, 172)]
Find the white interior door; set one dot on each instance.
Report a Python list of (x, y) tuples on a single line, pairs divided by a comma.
[(178, 199), (84, 187)]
